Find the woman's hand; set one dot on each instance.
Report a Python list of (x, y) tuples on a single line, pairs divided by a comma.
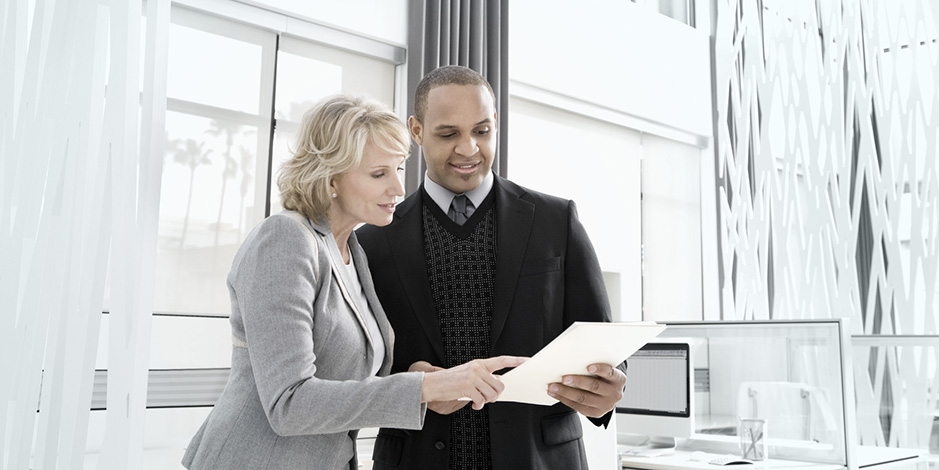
[(473, 380), (439, 407)]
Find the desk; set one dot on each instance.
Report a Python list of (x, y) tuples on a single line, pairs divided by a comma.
[(868, 457), (682, 461), (883, 458)]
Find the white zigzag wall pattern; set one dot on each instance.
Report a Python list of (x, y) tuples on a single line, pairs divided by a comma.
[(827, 149)]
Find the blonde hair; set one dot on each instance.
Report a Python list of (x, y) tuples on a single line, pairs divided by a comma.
[(331, 139)]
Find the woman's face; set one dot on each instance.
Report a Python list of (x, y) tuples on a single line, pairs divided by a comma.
[(368, 193)]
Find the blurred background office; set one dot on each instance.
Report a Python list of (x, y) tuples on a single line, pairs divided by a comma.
[(732, 160)]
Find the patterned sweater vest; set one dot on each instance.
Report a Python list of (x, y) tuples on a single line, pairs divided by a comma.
[(461, 265)]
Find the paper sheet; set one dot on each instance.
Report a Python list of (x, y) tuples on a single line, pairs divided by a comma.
[(581, 344)]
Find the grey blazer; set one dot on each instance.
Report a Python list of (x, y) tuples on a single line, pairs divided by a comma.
[(300, 384)]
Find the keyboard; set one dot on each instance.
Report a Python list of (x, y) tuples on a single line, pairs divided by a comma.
[(729, 460), (718, 459), (645, 451)]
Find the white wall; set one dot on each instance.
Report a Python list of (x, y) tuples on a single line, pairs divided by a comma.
[(617, 55), (634, 68), (671, 230), (595, 164), (379, 19), (609, 60)]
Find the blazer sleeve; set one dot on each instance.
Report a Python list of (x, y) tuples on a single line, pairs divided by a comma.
[(275, 286), (585, 297)]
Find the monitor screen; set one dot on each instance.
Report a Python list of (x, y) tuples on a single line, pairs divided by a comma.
[(658, 381)]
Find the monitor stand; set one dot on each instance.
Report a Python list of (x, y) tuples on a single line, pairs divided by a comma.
[(656, 446)]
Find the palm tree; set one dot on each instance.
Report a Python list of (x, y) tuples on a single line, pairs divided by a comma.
[(191, 153), (229, 130), (247, 163)]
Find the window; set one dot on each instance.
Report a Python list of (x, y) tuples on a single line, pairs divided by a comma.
[(215, 168), (218, 171), (217, 185), (308, 72)]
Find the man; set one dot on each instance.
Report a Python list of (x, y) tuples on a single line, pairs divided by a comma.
[(474, 266)]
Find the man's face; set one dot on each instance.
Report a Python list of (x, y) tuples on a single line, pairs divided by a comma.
[(458, 136)]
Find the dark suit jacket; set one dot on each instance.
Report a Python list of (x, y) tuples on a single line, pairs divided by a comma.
[(547, 276)]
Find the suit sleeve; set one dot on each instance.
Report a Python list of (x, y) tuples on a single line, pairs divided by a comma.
[(275, 284), (585, 297)]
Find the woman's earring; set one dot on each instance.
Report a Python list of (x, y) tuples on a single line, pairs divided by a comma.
[(334, 195)]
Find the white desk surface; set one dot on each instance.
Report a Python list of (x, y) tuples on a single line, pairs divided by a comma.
[(682, 461), (867, 457)]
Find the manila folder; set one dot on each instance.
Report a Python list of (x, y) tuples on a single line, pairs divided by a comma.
[(581, 344)]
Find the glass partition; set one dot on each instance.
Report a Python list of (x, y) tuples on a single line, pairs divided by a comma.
[(896, 388), (789, 373)]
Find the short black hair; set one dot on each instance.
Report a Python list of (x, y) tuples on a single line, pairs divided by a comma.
[(446, 75)]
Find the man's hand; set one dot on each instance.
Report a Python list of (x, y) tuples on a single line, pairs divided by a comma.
[(591, 395), (439, 407)]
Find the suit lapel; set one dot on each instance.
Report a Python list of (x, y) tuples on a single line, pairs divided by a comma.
[(406, 239), (513, 226)]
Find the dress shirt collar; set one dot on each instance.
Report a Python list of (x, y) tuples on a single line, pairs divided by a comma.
[(443, 196)]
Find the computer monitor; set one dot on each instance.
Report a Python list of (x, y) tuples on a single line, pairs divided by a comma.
[(658, 401)]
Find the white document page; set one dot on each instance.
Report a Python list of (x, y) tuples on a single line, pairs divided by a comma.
[(581, 344)]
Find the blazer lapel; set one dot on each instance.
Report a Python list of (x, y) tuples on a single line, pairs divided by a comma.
[(335, 261), (407, 248), (513, 226), (368, 286)]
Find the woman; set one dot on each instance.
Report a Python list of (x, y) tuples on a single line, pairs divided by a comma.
[(312, 345)]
